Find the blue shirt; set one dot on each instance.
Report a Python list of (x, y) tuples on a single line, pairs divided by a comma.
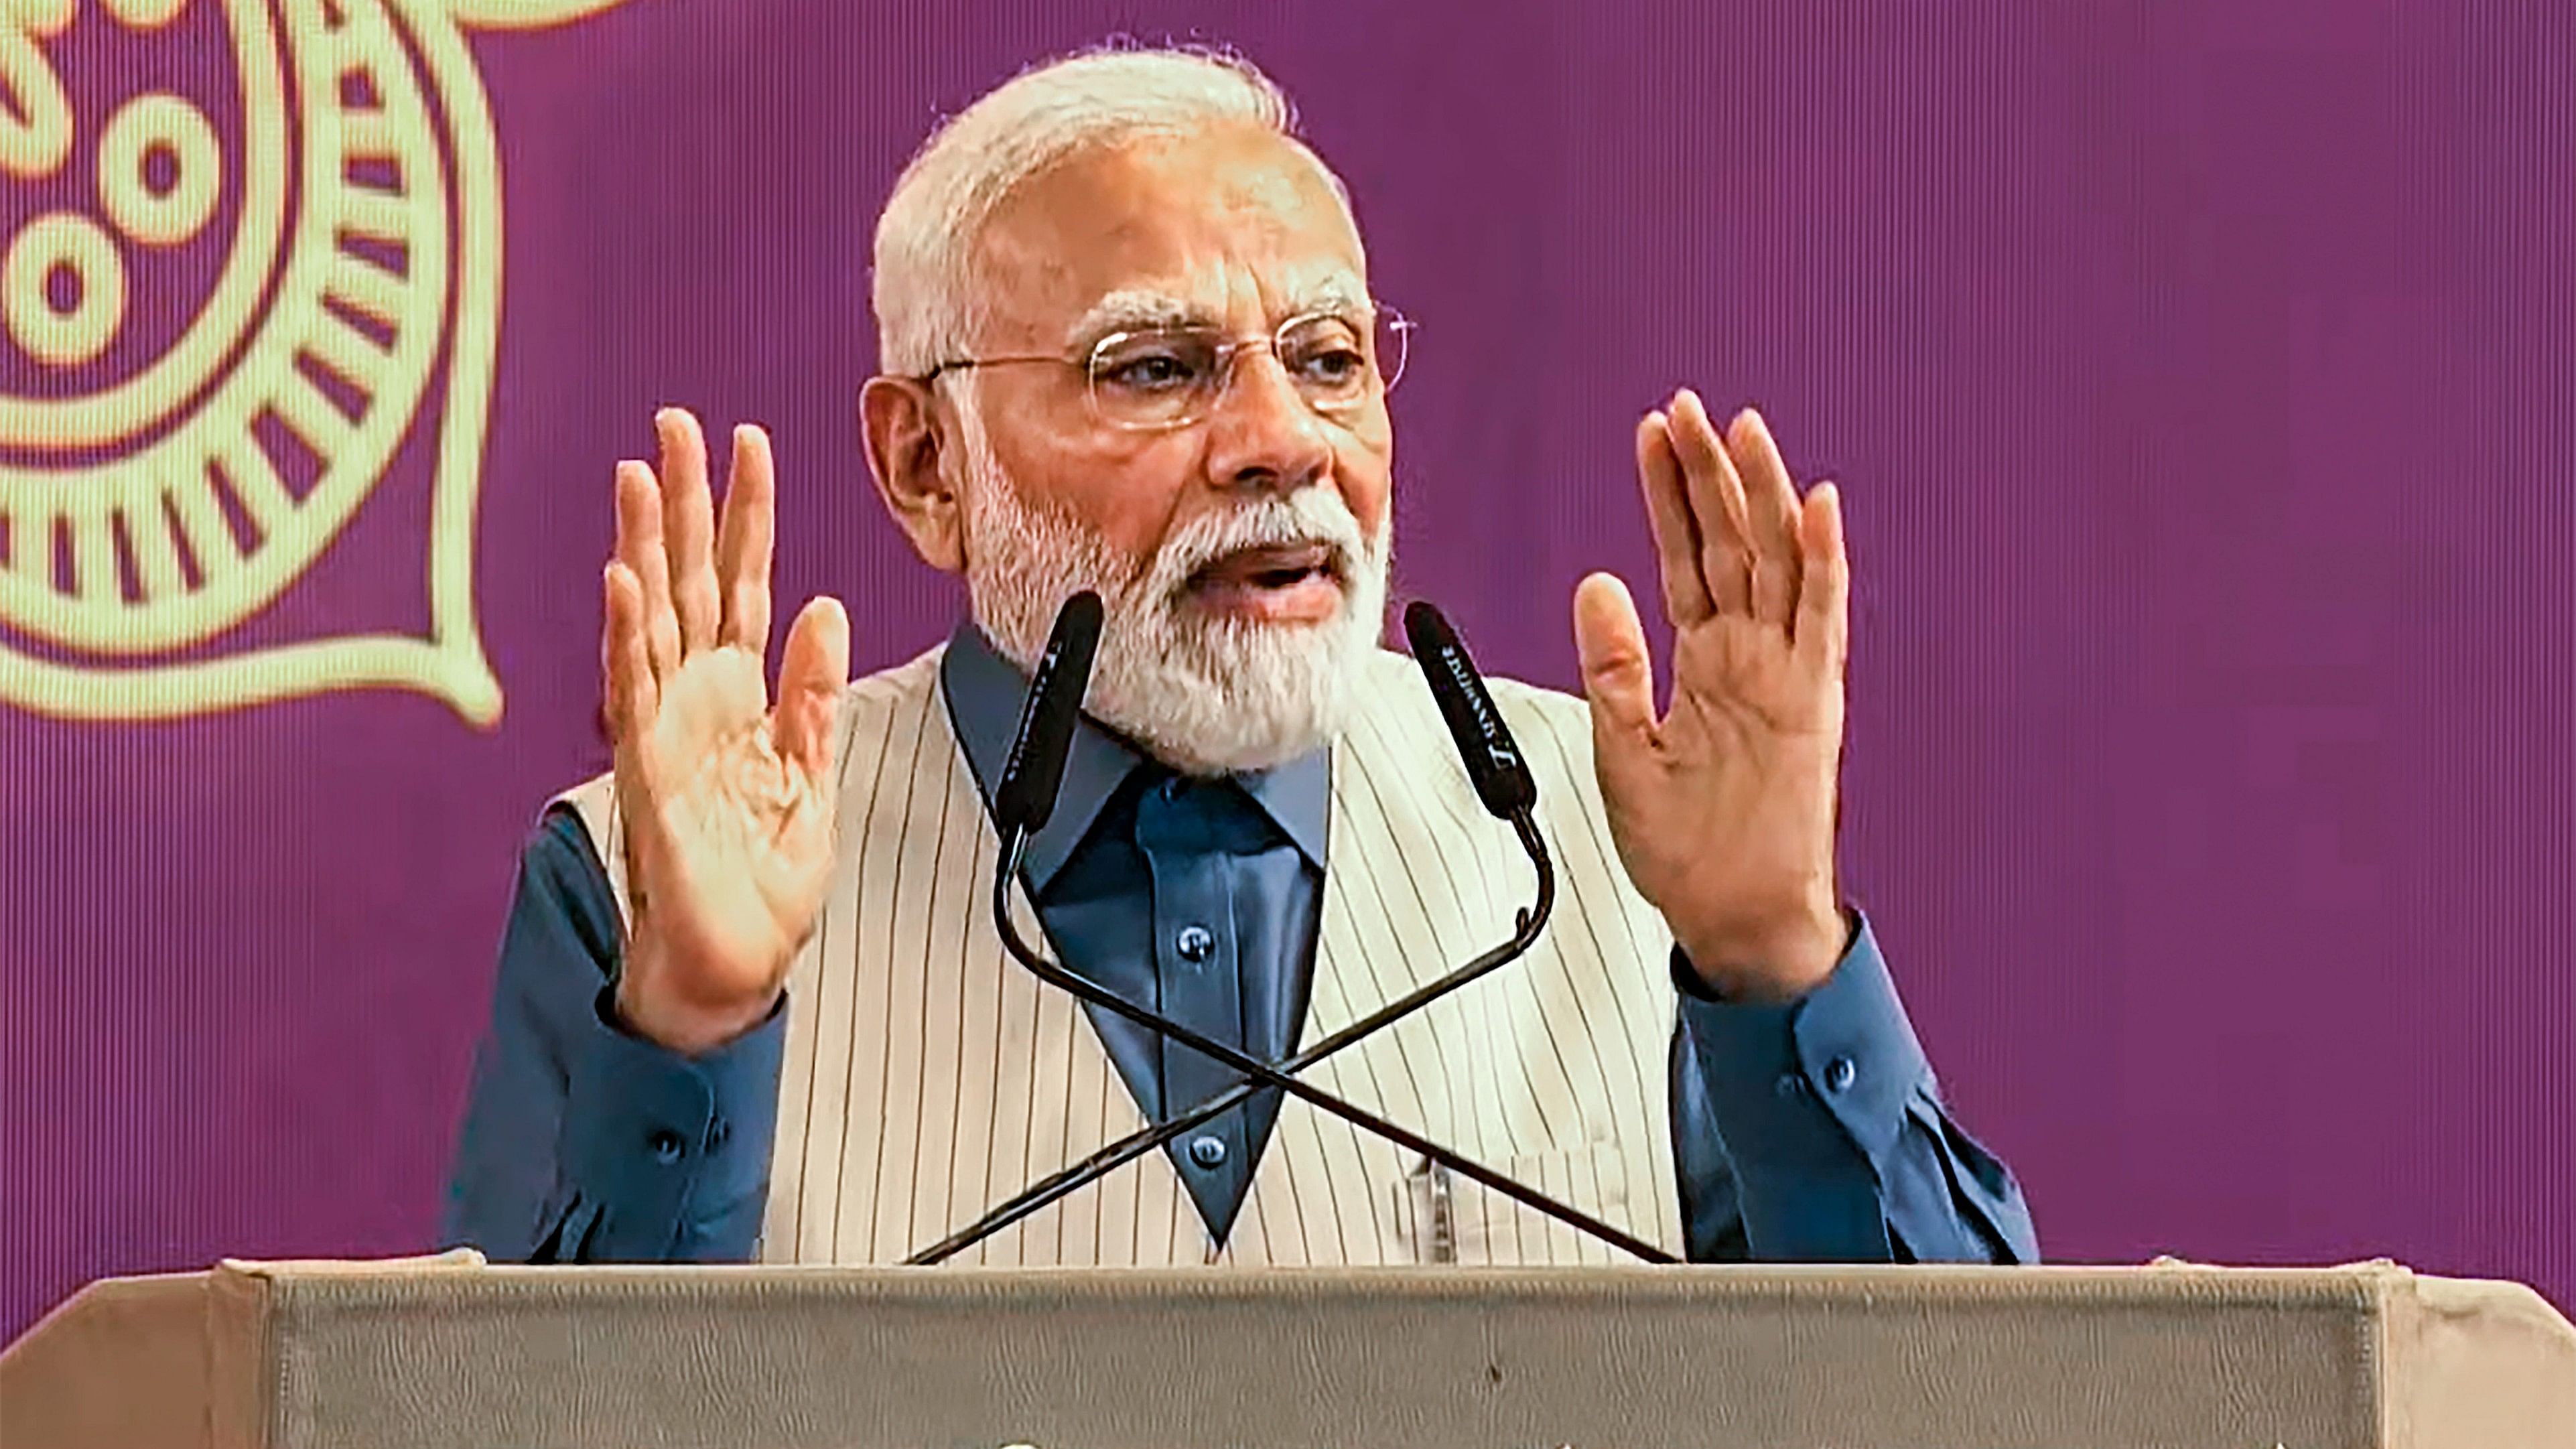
[(1808, 1130)]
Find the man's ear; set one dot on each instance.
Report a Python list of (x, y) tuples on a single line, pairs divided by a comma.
[(906, 447)]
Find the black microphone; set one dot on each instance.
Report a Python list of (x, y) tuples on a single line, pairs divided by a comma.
[(1494, 764), (1026, 795), (1038, 755)]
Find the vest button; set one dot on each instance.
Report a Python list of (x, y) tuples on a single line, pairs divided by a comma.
[(1195, 944), (666, 1146), (1208, 1152)]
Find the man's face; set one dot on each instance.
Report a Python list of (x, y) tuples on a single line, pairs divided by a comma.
[(1236, 229), (1243, 554)]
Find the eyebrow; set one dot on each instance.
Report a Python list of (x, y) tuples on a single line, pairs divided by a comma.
[(1342, 294), (1138, 309), (1135, 310)]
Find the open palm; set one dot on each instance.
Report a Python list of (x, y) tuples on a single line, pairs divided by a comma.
[(1722, 807), (725, 801)]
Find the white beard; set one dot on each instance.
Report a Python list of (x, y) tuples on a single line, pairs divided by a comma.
[(1205, 695)]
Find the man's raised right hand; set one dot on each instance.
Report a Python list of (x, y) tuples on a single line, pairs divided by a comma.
[(726, 803)]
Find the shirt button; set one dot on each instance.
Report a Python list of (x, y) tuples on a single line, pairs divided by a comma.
[(719, 1132), (1208, 1152), (666, 1146), (1788, 1084), (1839, 1073), (1195, 943)]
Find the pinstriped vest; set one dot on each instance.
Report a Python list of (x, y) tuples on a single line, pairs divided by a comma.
[(929, 1077)]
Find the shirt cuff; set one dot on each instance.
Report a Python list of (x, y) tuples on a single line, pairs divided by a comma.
[(1782, 1075), (655, 1139)]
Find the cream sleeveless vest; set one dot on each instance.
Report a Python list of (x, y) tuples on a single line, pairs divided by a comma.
[(929, 1077)]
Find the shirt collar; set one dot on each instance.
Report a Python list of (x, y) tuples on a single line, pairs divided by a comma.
[(985, 692)]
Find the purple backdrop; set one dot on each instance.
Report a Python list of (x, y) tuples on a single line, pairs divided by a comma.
[(2201, 374)]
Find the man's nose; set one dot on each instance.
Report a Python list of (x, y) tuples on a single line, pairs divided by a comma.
[(1261, 431)]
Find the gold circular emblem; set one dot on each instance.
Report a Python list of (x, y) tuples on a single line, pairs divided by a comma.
[(62, 244), (166, 215), (146, 515)]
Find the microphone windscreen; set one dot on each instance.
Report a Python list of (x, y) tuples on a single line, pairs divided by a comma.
[(1494, 764), (1026, 794)]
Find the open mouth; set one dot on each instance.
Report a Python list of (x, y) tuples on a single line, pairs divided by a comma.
[(1282, 583)]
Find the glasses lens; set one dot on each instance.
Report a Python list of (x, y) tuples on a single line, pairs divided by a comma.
[(1330, 360), (1170, 377), (1151, 379)]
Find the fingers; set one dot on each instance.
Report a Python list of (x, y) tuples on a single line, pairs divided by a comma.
[(633, 691), (1668, 514), (1823, 628), (698, 590), (1771, 502), (640, 549), (1618, 673), (745, 541), (688, 527), (810, 680), (1717, 506)]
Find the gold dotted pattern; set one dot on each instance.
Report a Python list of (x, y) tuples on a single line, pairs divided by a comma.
[(62, 241), (156, 562), (169, 125)]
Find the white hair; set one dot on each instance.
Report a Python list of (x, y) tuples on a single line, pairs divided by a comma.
[(923, 288)]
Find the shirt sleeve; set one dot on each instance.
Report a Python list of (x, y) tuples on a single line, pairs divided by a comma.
[(582, 1143), (1813, 1131)]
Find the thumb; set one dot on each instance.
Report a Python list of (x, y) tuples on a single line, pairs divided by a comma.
[(810, 680), (1618, 674)]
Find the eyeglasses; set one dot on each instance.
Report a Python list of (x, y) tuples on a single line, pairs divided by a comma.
[(1171, 377)]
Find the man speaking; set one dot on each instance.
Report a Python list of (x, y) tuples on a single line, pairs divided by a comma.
[(752, 1000)]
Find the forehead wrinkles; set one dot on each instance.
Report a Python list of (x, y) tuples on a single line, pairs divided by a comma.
[(1169, 231)]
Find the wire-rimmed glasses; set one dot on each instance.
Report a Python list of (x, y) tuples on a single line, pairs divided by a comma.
[(1170, 377)]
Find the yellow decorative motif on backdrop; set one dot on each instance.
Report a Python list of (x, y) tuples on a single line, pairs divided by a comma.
[(143, 518)]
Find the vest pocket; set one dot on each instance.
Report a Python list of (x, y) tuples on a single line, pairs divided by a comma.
[(1452, 1219)]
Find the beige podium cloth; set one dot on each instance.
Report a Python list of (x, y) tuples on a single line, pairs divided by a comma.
[(450, 1354)]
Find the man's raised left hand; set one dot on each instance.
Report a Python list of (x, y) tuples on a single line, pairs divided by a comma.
[(1722, 809)]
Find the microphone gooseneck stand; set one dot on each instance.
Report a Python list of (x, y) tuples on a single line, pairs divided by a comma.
[(1026, 796), (1108, 1159)]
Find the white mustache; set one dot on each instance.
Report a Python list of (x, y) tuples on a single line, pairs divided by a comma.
[(1313, 516)]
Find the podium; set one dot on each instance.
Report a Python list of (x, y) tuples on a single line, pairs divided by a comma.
[(449, 1353)]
